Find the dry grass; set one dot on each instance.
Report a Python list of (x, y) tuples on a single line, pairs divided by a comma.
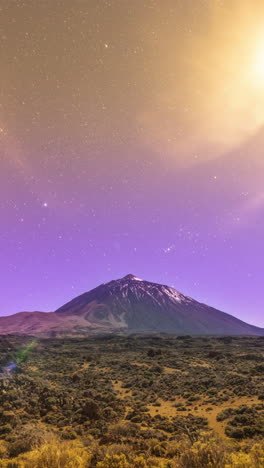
[(140, 364), (201, 364), (33, 368), (172, 370), (86, 365), (168, 409), (122, 392)]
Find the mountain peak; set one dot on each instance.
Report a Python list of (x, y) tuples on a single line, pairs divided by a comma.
[(132, 277)]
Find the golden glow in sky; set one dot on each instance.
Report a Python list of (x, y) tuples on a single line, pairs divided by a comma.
[(258, 66), (208, 93)]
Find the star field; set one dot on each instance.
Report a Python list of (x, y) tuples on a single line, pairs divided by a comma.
[(131, 140)]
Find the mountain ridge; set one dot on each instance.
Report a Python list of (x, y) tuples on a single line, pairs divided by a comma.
[(130, 305)]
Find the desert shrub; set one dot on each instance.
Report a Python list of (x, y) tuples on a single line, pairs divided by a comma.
[(176, 448), (3, 449), (194, 398), (252, 458), (127, 429), (156, 447), (91, 409), (54, 455), (11, 464), (207, 452), (257, 455), (27, 438), (234, 432), (5, 429), (245, 424), (140, 462), (113, 461), (69, 434), (159, 450), (225, 414), (109, 413), (99, 452)]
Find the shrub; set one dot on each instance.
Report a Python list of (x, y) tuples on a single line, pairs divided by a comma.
[(140, 462), (54, 455), (3, 450), (113, 461), (255, 458), (91, 409), (207, 452), (5, 429), (29, 437)]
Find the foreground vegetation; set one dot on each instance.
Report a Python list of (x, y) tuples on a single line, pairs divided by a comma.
[(118, 402)]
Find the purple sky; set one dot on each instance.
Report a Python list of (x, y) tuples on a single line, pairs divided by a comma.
[(131, 141)]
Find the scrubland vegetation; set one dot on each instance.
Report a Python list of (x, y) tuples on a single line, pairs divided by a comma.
[(138, 401)]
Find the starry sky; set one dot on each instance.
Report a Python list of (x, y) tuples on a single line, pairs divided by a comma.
[(131, 141)]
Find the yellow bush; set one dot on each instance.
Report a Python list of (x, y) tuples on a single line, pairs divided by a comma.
[(113, 461), (10, 464), (239, 460), (253, 459), (140, 462), (56, 455), (208, 452), (3, 450), (257, 455), (205, 453), (176, 448)]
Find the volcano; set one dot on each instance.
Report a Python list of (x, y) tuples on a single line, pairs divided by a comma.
[(128, 305)]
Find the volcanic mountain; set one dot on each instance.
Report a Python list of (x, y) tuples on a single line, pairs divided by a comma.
[(128, 305)]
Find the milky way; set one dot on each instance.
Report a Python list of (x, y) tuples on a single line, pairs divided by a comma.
[(131, 141)]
